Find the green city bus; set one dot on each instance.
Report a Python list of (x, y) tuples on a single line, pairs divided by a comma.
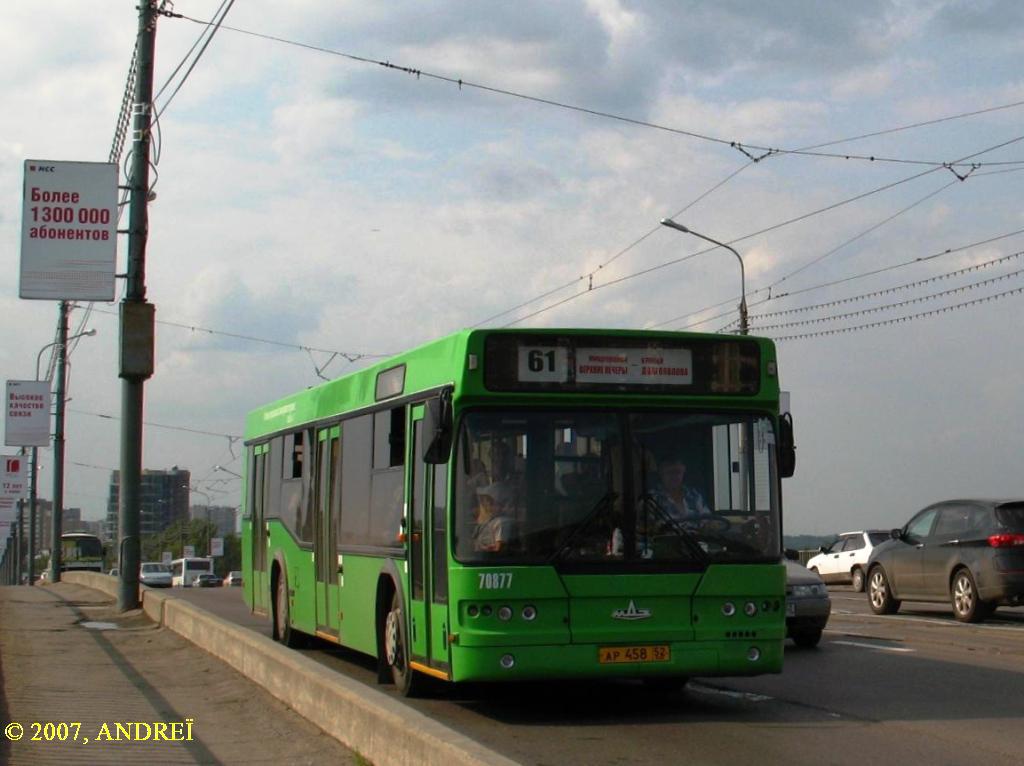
[(509, 505)]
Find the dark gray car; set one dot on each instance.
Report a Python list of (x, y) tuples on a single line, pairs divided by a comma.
[(967, 552), (808, 605)]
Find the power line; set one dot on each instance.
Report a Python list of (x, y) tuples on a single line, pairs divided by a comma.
[(232, 437), (843, 280), (747, 149), (351, 356), (890, 306), (899, 320), (675, 261), (212, 27), (889, 290)]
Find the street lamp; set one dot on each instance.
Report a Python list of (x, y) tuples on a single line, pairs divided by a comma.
[(744, 329), (58, 471), (227, 470)]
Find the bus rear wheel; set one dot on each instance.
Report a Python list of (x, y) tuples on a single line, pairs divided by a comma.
[(396, 650)]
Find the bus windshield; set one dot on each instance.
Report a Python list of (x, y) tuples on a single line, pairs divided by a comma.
[(81, 548), (615, 490)]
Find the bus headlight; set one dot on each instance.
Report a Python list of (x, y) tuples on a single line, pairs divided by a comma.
[(508, 661), (728, 609), (504, 613), (529, 613)]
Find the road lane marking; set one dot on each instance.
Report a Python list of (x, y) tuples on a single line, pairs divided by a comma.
[(950, 621), (746, 696), (899, 649)]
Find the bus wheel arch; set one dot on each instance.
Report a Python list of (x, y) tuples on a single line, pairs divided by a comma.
[(393, 643), (280, 608)]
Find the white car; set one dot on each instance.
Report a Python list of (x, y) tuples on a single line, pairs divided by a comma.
[(845, 559), (155, 575)]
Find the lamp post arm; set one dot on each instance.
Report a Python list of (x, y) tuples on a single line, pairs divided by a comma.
[(743, 278)]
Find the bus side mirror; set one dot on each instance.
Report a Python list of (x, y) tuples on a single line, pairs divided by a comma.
[(787, 447), (437, 429)]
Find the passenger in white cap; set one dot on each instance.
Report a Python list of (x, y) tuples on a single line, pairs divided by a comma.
[(493, 528)]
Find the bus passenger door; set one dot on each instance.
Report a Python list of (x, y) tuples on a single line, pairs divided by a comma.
[(427, 558), (259, 587), (325, 555)]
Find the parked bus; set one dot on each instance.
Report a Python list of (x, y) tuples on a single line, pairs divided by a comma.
[(80, 552), (185, 571), (506, 505)]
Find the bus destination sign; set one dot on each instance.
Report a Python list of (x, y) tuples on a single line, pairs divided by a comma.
[(595, 363), (608, 366)]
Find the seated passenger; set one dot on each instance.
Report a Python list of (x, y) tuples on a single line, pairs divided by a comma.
[(493, 530)]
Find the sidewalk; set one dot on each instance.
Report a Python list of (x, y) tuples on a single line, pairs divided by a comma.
[(141, 693)]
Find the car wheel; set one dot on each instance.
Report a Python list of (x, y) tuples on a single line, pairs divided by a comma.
[(807, 639), (396, 648), (880, 594), (963, 594), (857, 579)]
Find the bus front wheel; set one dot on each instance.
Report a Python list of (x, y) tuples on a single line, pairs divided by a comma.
[(396, 650), (283, 630)]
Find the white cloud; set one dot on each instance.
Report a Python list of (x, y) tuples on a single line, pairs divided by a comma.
[(310, 199)]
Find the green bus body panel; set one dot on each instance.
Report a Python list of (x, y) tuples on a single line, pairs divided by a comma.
[(574, 613)]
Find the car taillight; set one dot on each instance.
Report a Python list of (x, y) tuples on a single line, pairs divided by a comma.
[(1005, 540)]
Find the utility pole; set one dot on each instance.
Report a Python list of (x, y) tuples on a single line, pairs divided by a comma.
[(137, 318), (56, 520), (32, 514)]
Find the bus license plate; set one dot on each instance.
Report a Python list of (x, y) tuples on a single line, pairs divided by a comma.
[(613, 654)]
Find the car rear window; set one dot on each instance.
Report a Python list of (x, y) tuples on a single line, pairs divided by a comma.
[(877, 538), (1011, 516)]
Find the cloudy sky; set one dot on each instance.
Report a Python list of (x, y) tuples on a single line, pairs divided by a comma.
[(313, 199)]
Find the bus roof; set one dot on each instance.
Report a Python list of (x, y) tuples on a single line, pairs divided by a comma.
[(430, 366)]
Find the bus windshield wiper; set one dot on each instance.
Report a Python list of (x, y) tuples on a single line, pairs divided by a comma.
[(603, 502), (689, 539)]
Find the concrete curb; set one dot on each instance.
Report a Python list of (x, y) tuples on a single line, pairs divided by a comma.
[(370, 722)]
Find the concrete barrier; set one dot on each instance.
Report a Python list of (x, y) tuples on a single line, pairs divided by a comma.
[(378, 727), (101, 582)]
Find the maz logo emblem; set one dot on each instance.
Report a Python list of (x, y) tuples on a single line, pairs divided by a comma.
[(631, 613)]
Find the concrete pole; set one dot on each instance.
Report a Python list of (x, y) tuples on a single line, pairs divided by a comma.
[(32, 514), (56, 516), (137, 318)]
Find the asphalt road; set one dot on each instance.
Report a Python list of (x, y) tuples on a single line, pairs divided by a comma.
[(914, 688)]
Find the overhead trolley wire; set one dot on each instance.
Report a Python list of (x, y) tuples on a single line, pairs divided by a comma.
[(351, 356), (899, 320), (746, 148), (843, 280), (890, 306), (889, 290)]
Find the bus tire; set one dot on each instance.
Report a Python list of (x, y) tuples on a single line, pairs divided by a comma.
[(396, 650), (282, 626)]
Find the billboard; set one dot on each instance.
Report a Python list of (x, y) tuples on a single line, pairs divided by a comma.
[(68, 231), (13, 484), (27, 423)]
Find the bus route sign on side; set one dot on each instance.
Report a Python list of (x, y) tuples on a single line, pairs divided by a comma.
[(68, 231)]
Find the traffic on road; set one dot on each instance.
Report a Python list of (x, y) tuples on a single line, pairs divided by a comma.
[(914, 688)]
